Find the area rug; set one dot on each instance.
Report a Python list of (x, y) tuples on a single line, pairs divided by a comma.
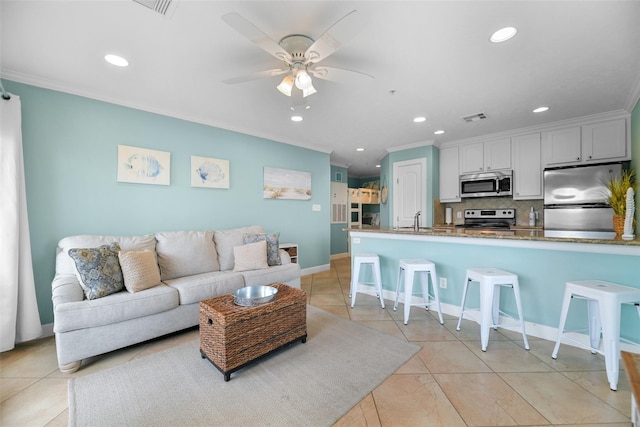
[(310, 384)]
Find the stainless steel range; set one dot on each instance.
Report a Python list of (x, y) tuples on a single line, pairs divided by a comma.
[(489, 219)]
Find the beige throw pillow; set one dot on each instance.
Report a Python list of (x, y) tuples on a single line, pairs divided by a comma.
[(139, 270), (252, 256)]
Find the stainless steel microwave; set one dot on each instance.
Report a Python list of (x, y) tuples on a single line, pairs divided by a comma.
[(487, 184)]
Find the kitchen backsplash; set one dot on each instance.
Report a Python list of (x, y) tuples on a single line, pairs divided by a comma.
[(522, 208)]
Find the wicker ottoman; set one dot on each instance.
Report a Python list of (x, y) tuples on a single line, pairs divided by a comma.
[(232, 336)]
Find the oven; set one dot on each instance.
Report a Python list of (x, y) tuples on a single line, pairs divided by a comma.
[(487, 184), (494, 221)]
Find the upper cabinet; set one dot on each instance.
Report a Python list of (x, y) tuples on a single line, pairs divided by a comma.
[(604, 140), (449, 175), (485, 156), (527, 167), (594, 142)]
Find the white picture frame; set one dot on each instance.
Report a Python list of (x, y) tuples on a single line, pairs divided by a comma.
[(209, 172), (143, 166)]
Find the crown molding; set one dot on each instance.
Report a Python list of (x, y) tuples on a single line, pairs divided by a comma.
[(410, 146)]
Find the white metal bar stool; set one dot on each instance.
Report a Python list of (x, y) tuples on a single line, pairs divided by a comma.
[(491, 280), (406, 273), (604, 302), (373, 261)]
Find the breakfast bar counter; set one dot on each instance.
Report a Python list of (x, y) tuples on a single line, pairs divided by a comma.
[(543, 264)]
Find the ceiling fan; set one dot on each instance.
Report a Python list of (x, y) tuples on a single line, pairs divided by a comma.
[(301, 54)]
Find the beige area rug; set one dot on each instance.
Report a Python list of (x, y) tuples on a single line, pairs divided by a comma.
[(311, 384)]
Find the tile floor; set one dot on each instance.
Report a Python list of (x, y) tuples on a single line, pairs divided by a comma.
[(450, 382)]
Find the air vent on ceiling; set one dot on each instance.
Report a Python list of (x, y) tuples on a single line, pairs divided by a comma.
[(163, 7), (474, 117)]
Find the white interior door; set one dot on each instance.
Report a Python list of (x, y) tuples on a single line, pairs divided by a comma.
[(409, 191)]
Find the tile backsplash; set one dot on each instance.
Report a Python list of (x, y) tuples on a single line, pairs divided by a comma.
[(522, 208)]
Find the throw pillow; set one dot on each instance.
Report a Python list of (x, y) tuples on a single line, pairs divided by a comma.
[(252, 256), (226, 240), (273, 246), (98, 270), (185, 253), (139, 270)]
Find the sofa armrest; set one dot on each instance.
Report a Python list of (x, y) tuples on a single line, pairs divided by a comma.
[(285, 258), (65, 288)]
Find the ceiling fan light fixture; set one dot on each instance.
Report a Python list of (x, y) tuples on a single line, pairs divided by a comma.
[(303, 80), (310, 90), (286, 85)]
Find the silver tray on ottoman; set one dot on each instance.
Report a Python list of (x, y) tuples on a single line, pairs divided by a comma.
[(251, 296)]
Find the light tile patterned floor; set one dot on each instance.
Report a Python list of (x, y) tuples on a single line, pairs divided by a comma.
[(450, 382)]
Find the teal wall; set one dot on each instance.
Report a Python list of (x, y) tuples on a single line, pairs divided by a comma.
[(70, 151), (542, 275), (338, 236), (432, 155)]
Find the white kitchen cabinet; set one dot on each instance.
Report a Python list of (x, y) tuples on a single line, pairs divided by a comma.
[(562, 146), (590, 143), (449, 175), (527, 167), (497, 154), (472, 158), (485, 156), (604, 140)]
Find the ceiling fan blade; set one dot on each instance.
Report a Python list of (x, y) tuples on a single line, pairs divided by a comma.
[(256, 75), (256, 36), (340, 33), (340, 75)]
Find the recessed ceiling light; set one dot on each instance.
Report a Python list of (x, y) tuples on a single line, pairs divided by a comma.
[(503, 34), (419, 119), (359, 149), (296, 118), (439, 132), (116, 60), (541, 109), (378, 166)]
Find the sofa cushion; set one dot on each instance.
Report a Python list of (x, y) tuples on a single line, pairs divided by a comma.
[(252, 256), (114, 308), (64, 263), (277, 273), (139, 270), (226, 240), (273, 245), (98, 270), (185, 253), (193, 289)]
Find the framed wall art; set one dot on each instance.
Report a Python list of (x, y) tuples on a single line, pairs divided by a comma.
[(286, 184), (209, 172), (143, 166)]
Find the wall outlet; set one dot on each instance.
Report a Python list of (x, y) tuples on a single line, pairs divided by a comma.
[(356, 240), (443, 282), (458, 214)]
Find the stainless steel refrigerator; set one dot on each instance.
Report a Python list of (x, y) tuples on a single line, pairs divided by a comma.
[(575, 201)]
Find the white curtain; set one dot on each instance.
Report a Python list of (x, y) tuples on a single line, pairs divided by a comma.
[(19, 319)]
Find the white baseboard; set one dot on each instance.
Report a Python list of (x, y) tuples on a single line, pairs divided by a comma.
[(316, 269), (533, 329)]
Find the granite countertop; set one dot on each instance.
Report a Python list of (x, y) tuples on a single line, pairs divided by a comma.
[(515, 233)]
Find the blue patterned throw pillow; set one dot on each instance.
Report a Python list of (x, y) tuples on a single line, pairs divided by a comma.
[(273, 246), (98, 270)]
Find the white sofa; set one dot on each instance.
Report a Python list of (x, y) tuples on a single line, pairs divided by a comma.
[(193, 266)]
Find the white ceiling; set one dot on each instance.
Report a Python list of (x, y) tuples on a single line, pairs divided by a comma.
[(578, 57)]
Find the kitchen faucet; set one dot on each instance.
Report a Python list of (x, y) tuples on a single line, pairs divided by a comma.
[(416, 221)]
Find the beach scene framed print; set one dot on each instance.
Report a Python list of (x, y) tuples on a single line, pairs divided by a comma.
[(286, 184)]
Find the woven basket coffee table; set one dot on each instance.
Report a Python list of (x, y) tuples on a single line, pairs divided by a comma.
[(232, 336)]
